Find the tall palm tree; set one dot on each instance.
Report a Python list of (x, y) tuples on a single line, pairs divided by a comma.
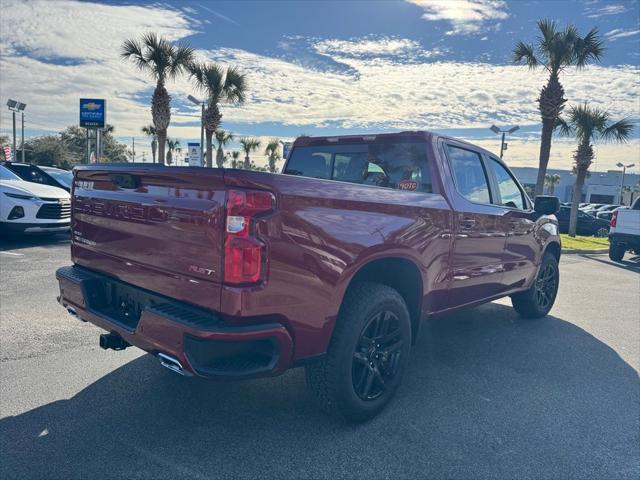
[(163, 61), (172, 146), (248, 145), (235, 159), (220, 86), (555, 50), (223, 138), (150, 131), (273, 151), (589, 124), (550, 181)]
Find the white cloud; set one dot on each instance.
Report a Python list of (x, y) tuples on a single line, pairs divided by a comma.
[(606, 10), (466, 16), (620, 33)]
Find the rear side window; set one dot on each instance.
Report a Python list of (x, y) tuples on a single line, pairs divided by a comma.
[(398, 165), (468, 171), (510, 194)]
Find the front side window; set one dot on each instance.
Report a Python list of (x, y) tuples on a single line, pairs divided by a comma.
[(510, 194), (397, 165), (471, 179)]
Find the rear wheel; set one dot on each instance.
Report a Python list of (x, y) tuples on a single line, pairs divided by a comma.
[(616, 251), (538, 300), (367, 355), (602, 232)]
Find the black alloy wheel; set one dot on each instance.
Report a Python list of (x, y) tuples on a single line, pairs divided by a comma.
[(377, 355), (545, 287)]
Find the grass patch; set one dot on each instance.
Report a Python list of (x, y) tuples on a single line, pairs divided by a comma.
[(584, 243)]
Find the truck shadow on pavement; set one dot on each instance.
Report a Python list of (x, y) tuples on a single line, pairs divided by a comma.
[(486, 395)]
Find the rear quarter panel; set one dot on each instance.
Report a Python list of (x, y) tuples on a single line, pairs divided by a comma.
[(323, 232)]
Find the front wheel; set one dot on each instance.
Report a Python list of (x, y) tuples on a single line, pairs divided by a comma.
[(538, 300), (367, 355)]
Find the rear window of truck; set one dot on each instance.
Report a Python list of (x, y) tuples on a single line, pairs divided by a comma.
[(398, 165)]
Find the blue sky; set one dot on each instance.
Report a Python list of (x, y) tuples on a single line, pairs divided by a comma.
[(323, 67)]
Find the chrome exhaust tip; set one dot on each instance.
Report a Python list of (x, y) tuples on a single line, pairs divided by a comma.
[(172, 364)]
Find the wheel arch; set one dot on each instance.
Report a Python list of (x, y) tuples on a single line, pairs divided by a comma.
[(400, 273), (554, 249)]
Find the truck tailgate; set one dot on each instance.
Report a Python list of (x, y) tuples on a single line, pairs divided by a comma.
[(160, 228), (628, 222)]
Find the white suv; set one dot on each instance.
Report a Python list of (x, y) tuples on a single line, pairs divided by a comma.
[(27, 207)]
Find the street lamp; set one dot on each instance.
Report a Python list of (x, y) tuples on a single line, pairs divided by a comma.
[(497, 131), (624, 170), (16, 106), (202, 104)]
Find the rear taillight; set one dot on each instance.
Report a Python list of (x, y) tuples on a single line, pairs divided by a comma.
[(243, 252), (614, 219)]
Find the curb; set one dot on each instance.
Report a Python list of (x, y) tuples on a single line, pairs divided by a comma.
[(574, 250)]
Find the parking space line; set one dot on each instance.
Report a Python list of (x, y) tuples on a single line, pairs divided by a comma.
[(14, 254)]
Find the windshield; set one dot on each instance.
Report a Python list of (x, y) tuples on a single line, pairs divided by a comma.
[(62, 176), (6, 174)]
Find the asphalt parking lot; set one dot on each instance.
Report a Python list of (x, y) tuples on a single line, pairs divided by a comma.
[(487, 395)]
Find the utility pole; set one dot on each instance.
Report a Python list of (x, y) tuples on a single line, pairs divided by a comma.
[(133, 141), (13, 155), (22, 143)]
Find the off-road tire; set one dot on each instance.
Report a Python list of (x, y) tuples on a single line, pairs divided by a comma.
[(331, 379), (528, 303)]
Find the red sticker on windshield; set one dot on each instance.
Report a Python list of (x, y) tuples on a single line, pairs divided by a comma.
[(408, 185)]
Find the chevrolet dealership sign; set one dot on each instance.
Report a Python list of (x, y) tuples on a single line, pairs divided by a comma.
[(93, 112)]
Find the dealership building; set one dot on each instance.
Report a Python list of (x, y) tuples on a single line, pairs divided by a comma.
[(600, 187)]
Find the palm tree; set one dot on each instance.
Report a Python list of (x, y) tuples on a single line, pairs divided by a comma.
[(162, 61), (150, 131), (272, 150), (172, 146), (220, 86), (550, 181), (554, 51), (223, 138), (589, 124), (248, 145), (235, 158)]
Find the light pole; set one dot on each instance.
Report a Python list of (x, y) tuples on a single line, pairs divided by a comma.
[(496, 130), (195, 101), (624, 170), (16, 106)]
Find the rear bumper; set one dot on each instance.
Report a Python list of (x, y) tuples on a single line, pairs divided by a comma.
[(199, 339)]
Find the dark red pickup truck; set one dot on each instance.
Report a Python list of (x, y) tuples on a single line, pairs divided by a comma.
[(331, 265)]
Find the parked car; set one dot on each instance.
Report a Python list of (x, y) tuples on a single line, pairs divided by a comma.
[(624, 234), (55, 177), (233, 274), (27, 207), (593, 207), (607, 214), (587, 224)]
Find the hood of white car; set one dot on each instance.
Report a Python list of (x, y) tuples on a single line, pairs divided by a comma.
[(20, 187)]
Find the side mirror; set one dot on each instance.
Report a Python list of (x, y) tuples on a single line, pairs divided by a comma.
[(546, 205)]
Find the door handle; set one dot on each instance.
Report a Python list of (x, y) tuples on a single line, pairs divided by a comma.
[(467, 223)]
